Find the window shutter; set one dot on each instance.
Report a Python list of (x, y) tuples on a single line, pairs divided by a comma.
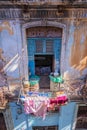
[(39, 46), (49, 46)]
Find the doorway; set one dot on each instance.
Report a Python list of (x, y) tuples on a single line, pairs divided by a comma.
[(2, 122), (43, 67), (43, 58)]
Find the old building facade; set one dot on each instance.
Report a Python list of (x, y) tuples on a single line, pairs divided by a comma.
[(39, 38)]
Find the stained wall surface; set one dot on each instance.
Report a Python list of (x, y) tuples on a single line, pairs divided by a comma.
[(75, 60), (11, 44)]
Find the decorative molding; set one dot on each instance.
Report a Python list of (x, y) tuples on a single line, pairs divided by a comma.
[(43, 2), (10, 14), (42, 14), (44, 32)]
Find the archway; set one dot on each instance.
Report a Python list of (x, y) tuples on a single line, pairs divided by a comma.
[(47, 24)]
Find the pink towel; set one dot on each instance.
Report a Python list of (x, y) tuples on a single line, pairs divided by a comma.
[(30, 106)]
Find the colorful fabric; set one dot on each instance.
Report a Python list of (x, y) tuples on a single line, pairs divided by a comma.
[(61, 100), (39, 105), (36, 105)]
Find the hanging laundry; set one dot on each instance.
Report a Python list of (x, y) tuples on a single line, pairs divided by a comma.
[(39, 103), (36, 105), (41, 111), (61, 99)]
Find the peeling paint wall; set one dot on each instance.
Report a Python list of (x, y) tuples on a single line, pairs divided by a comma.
[(6, 26), (75, 58), (11, 44), (76, 49), (78, 57)]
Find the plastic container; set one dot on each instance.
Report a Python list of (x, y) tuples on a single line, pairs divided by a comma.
[(34, 83), (57, 79)]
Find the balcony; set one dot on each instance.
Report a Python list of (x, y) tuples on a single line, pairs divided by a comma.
[(11, 89), (76, 90)]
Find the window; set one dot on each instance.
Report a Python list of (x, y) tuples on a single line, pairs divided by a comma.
[(49, 46)]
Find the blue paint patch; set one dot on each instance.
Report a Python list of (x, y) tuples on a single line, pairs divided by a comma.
[(32, 67)]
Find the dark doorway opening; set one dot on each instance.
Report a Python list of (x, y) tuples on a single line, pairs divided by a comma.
[(45, 128), (2, 122), (44, 65)]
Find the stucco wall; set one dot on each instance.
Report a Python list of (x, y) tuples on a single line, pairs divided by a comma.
[(11, 43), (76, 49)]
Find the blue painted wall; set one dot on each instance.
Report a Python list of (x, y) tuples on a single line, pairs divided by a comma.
[(31, 47), (12, 48), (67, 115), (64, 119), (25, 122)]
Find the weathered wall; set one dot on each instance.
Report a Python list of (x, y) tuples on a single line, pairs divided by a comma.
[(25, 122), (74, 52), (11, 44), (78, 57), (76, 49)]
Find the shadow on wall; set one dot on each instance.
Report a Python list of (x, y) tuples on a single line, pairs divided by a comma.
[(78, 56)]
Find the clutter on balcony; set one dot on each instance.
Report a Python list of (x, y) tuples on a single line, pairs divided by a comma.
[(55, 77), (55, 81), (34, 83)]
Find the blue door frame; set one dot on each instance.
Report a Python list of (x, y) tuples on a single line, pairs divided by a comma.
[(31, 47)]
